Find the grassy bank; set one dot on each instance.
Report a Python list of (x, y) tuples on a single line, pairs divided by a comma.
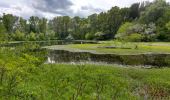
[(112, 47), (90, 82)]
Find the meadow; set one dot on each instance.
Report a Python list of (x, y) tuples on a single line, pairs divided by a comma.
[(115, 47), (92, 82), (24, 76)]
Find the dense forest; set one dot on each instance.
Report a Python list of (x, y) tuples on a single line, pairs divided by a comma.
[(146, 21)]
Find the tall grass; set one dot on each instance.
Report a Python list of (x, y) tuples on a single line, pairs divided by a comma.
[(95, 82)]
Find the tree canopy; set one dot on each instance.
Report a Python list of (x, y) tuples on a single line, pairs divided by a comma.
[(145, 18)]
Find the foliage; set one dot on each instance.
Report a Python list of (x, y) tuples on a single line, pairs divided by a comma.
[(31, 36), (42, 36), (2, 28), (50, 35), (9, 22), (16, 66), (89, 36), (135, 37), (154, 12), (168, 25), (62, 81), (18, 36), (147, 18), (145, 32), (122, 32), (69, 37), (99, 36), (143, 48), (3, 37)]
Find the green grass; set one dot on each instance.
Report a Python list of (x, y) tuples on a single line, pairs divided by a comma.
[(151, 47), (91, 82), (23, 76)]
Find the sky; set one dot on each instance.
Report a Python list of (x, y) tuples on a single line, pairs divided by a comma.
[(52, 8)]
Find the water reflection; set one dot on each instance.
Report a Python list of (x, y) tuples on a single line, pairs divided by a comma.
[(62, 56)]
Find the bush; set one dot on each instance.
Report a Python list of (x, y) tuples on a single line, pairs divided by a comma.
[(41, 36), (31, 36), (69, 37), (2, 28), (163, 37), (123, 30), (3, 37), (164, 34), (18, 36), (168, 25), (51, 35), (99, 36), (89, 36), (135, 37)]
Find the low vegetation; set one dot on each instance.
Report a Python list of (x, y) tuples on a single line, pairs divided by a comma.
[(76, 82), (23, 75), (142, 28), (115, 47)]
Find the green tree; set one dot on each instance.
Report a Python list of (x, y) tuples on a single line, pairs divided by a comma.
[(168, 25), (34, 24), (9, 22), (3, 35), (135, 37), (41, 36), (134, 11), (43, 25), (89, 36), (154, 12), (93, 22), (61, 26), (114, 20), (31, 36), (100, 36), (123, 30), (18, 36)]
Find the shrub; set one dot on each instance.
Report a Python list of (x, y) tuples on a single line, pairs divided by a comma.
[(51, 35), (135, 37), (89, 36), (123, 30), (41, 36), (99, 36), (69, 37), (3, 36), (31, 36), (18, 36)]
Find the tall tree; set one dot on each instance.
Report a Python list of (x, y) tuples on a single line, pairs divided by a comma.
[(154, 12), (43, 25), (34, 24), (114, 20), (135, 11), (9, 22)]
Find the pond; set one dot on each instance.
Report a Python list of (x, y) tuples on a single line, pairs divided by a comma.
[(58, 56), (66, 56)]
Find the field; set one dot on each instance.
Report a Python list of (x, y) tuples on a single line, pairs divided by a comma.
[(25, 76), (113, 47), (91, 82)]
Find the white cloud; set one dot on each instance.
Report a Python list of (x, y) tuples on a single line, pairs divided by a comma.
[(84, 8)]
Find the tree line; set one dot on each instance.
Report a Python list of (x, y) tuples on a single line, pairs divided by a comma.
[(146, 21)]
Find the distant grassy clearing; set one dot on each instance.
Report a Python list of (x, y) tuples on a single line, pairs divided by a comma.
[(120, 48)]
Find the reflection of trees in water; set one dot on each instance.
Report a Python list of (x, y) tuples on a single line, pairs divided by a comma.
[(62, 56)]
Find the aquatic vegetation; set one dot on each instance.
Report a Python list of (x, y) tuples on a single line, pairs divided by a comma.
[(112, 47)]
